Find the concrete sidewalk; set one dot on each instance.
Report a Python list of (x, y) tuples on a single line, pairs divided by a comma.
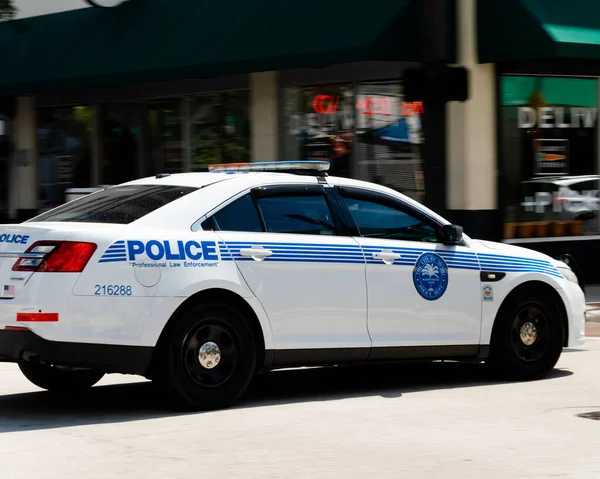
[(592, 329)]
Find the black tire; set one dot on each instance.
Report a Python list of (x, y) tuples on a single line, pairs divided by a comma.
[(511, 357), (180, 372), (60, 380)]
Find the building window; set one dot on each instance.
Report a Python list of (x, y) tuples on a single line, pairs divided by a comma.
[(64, 152), (220, 129), (388, 139), (366, 131), (6, 148), (550, 156), (318, 124), (165, 137), (120, 151)]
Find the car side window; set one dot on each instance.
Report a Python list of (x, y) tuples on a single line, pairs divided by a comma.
[(296, 213), (379, 220), (240, 215)]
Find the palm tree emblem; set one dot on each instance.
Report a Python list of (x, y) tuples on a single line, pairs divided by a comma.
[(430, 274)]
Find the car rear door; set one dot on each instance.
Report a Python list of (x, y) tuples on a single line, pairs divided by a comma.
[(309, 278), (420, 292)]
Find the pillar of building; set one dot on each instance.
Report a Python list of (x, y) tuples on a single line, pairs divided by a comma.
[(23, 170), (471, 142), (263, 114)]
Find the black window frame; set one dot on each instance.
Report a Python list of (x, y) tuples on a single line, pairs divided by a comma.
[(339, 223), (385, 200)]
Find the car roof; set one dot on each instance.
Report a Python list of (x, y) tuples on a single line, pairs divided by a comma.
[(250, 179), (201, 179)]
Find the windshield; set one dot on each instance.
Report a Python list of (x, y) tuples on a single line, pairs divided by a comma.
[(116, 205)]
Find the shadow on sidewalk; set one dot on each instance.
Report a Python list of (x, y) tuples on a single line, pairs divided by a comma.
[(141, 400)]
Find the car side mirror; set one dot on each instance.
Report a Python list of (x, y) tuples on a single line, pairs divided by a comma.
[(452, 234)]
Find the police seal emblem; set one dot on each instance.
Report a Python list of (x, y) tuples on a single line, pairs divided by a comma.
[(430, 276), (488, 293)]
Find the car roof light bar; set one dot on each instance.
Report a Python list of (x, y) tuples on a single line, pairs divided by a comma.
[(285, 166)]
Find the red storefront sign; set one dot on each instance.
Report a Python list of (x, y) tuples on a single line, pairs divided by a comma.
[(329, 104), (412, 108), (326, 104)]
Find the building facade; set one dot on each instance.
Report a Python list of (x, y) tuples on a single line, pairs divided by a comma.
[(98, 96)]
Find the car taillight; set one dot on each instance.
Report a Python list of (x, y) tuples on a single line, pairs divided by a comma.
[(55, 257)]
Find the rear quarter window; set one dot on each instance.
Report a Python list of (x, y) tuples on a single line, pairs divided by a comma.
[(116, 205)]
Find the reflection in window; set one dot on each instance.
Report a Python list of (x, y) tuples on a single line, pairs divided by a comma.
[(366, 132), (241, 215), (389, 138), (375, 220), (297, 214), (550, 164), (220, 131), (318, 124), (64, 152)]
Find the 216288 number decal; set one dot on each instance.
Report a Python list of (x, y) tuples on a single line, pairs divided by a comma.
[(113, 290)]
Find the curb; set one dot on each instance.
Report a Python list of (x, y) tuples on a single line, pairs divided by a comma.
[(592, 313)]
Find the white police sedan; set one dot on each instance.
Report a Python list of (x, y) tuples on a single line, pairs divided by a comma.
[(199, 281)]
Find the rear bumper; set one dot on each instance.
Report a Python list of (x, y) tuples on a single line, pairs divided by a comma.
[(16, 346)]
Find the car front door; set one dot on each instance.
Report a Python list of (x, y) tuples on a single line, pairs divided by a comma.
[(420, 291), (309, 279)]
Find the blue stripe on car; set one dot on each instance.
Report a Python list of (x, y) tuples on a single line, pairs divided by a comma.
[(353, 254)]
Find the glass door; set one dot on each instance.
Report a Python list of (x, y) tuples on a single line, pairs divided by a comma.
[(120, 150), (166, 148), (5, 147)]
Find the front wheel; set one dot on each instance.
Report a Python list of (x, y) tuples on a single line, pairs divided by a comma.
[(60, 380), (528, 338), (208, 358)]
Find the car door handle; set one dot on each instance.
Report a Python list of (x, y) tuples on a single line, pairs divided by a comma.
[(257, 252), (386, 256)]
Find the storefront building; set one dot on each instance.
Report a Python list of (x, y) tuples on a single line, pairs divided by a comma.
[(548, 94), (99, 96), (102, 95)]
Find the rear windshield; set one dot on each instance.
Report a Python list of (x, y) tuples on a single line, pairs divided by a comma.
[(118, 205)]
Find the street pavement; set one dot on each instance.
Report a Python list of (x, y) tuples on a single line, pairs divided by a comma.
[(442, 420)]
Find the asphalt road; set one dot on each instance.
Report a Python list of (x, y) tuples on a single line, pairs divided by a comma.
[(420, 421)]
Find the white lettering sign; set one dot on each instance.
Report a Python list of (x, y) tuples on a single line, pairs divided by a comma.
[(564, 200), (314, 123), (554, 117)]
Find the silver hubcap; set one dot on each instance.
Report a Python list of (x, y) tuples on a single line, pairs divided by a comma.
[(528, 333), (209, 355)]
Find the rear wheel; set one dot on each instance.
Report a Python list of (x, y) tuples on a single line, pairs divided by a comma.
[(528, 338), (60, 380), (208, 358)]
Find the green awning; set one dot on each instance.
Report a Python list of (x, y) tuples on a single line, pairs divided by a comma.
[(575, 92), (509, 30), (156, 40)]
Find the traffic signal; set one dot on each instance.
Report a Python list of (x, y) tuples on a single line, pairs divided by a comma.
[(437, 84)]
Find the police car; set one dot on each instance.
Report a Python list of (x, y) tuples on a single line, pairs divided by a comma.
[(199, 281)]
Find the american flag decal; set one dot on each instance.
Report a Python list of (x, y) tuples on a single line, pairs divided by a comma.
[(8, 290)]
